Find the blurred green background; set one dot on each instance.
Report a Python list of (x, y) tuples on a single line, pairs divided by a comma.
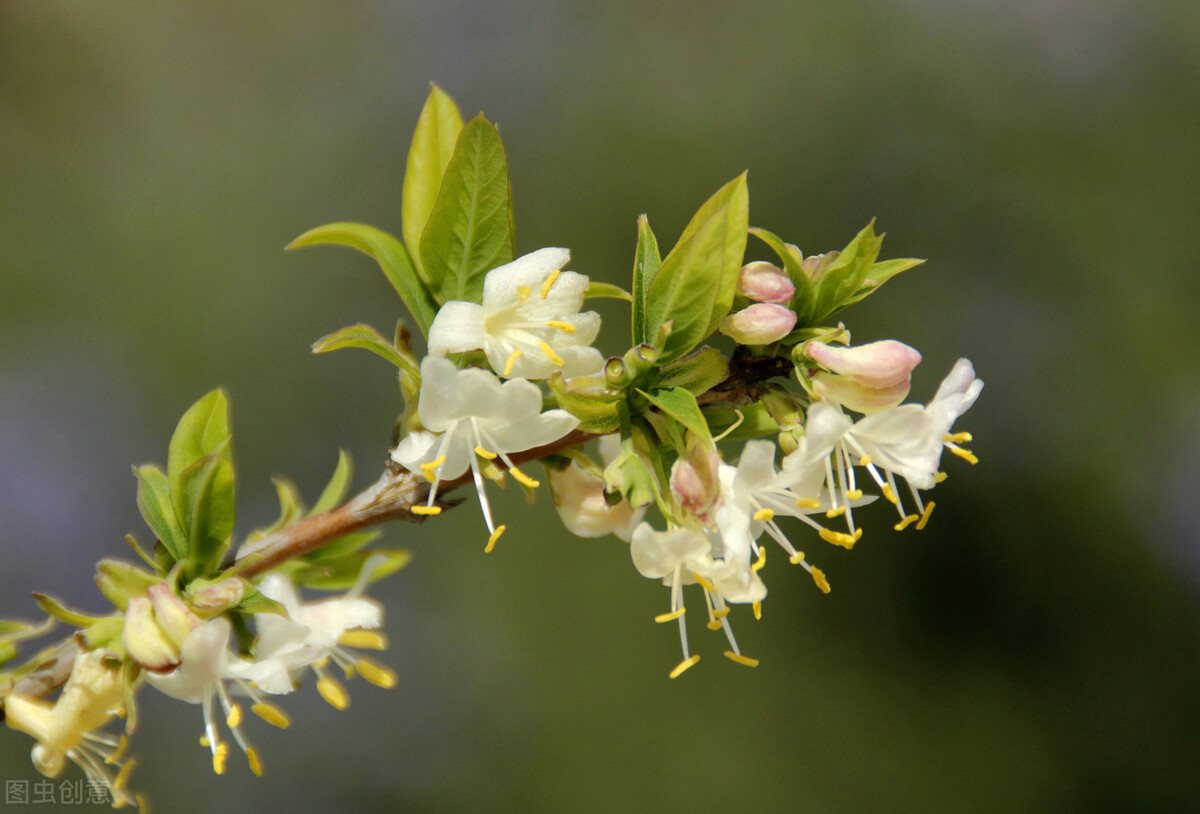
[(1035, 649)]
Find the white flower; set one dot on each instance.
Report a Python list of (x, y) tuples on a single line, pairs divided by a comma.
[(313, 633), (529, 324), (205, 665), (471, 414), (578, 494), (93, 694)]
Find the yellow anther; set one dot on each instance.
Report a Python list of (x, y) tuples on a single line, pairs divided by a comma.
[(427, 510), (523, 478), (322, 663), (925, 515), (255, 763), (565, 327), (854, 494), (762, 560), (757, 606), (684, 665), (550, 354), (720, 613), (819, 577), (485, 454), (670, 617), (378, 674), (838, 512), (512, 360), (808, 503), (234, 719), (495, 535), (940, 476), (219, 758), (204, 741), (865, 460), (122, 778), (427, 468), (704, 583), (906, 522), (271, 714), (765, 515), (523, 292), (796, 558), (965, 454), (889, 495), (713, 624), (846, 541), (333, 692), (122, 745), (740, 659), (363, 640), (958, 438), (549, 282)]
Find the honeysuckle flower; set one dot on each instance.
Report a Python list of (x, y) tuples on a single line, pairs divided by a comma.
[(954, 397), (144, 640), (205, 666), (67, 728), (579, 496), (759, 324), (472, 415), (529, 324), (857, 397), (312, 634), (867, 378), (763, 282)]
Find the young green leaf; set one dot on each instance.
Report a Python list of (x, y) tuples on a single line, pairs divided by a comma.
[(203, 431), (342, 573), (646, 261), (389, 253), (879, 274), (470, 227), (680, 405), (846, 274), (119, 580), (695, 284), (367, 338), (154, 502), (205, 505), (339, 484), (62, 613), (432, 145), (606, 290), (697, 372), (804, 300)]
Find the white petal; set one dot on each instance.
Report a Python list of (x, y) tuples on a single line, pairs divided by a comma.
[(534, 432), (415, 449), (501, 284), (458, 326)]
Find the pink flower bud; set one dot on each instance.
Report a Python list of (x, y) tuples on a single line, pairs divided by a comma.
[(763, 282), (695, 479), (218, 597), (760, 324), (842, 390), (877, 365)]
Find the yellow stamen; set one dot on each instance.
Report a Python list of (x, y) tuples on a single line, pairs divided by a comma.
[(491, 543), (549, 282), (865, 460), (854, 494), (889, 495), (219, 758), (925, 515), (684, 665), (485, 454), (714, 625), (255, 763), (271, 714), (762, 560), (846, 541), (512, 360), (122, 778), (565, 327), (363, 640), (708, 586), (740, 659), (523, 292), (958, 438), (550, 354), (940, 476), (906, 522), (427, 510), (523, 478), (965, 454), (670, 617), (808, 503), (765, 515), (427, 469), (122, 745), (721, 613), (378, 674), (757, 610), (234, 719), (204, 741), (838, 512), (333, 692), (819, 577), (796, 558)]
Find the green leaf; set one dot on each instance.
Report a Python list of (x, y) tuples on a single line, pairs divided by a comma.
[(335, 491), (428, 156), (64, 614), (846, 274), (203, 431), (470, 228), (879, 274), (106, 632), (695, 284), (646, 261), (206, 505), (804, 300), (389, 253), (291, 509), (680, 404), (588, 400), (119, 580), (154, 502), (697, 372), (340, 574), (341, 546), (754, 422), (367, 338), (614, 292)]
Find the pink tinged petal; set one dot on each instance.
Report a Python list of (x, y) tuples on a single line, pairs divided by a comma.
[(458, 326), (876, 365), (760, 324), (764, 282), (857, 397), (502, 284)]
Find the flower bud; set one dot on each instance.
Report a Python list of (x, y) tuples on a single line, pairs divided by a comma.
[(815, 267), (218, 597), (760, 324), (763, 282), (171, 614), (579, 498), (695, 479), (878, 364), (843, 390), (144, 640)]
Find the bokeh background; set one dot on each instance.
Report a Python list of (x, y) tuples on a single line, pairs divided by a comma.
[(1035, 649)]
